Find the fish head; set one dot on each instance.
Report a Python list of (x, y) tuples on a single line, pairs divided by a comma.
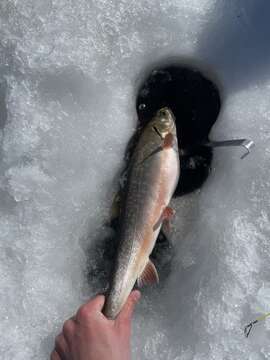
[(163, 122)]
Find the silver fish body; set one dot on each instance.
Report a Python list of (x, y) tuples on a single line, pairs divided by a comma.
[(152, 179)]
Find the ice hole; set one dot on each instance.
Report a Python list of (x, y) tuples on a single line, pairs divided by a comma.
[(195, 102)]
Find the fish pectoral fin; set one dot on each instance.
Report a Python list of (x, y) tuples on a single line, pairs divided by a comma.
[(149, 275), (157, 150), (165, 218), (168, 141)]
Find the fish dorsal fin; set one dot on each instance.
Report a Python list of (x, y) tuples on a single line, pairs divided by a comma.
[(149, 275)]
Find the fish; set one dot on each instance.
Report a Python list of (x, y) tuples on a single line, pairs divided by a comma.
[(152, 178)]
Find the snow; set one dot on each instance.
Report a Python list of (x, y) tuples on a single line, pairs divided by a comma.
[(69, 73)]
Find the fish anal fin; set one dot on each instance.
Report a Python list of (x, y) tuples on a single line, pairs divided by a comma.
[(165, 218), (168, 141), (149, 275)]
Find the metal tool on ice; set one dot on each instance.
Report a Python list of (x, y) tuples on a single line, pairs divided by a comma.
[(246, 143)]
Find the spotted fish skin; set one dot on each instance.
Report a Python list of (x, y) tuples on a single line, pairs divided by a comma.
[(152, 179)]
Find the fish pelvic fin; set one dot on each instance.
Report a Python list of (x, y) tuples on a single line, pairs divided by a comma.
[(165, 218), (148, 276)]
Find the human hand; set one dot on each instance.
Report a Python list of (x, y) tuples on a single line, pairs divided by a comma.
[(89, 335)]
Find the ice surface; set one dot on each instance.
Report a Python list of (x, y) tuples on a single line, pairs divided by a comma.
[(68, 78)]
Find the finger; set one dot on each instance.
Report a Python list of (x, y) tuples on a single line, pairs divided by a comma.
[(92, 307), (61, 347), (126, 313), (68, 329), (55, 356)]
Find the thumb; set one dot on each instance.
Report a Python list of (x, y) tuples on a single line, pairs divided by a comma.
[(126, 313), (92, 307), (97, 303)]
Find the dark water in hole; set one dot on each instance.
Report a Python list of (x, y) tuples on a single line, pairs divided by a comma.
[(195, 102)]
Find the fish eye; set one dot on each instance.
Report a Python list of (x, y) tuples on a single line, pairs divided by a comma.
[(163, 113)]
